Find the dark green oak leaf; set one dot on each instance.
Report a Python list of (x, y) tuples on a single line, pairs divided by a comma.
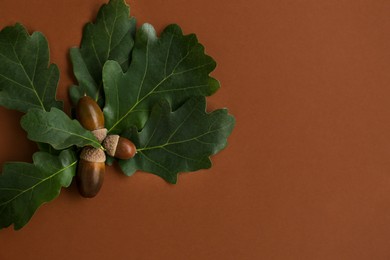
[(111, 37), (26, 80), (173, 67), (24, 186), (57, 129), (45, 147), (179, 141)]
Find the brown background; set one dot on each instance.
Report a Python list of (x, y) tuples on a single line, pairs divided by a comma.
[(307, 171)]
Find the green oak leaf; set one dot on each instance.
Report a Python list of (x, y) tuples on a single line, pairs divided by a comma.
[(24, 186), (179, 141), (57, 129), (45, 147), (173, 67), (111, 37), (26, 80)]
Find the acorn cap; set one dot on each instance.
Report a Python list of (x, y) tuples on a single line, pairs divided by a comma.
[(100, 134), (110, 143), (91, 154)]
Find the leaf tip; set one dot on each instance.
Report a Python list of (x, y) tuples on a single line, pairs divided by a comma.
[(214, 85), (147, 32)]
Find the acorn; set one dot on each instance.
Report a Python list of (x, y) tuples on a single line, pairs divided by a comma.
[(91, 117), (119, 147), (90, 171)]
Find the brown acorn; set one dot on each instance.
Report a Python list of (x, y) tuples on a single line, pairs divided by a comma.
[(90, 171), (119, 147), (91, 117)]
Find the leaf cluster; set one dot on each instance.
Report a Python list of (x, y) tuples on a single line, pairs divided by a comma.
[(152, 90)]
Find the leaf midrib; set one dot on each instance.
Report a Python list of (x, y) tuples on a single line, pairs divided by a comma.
[(50, 127), (157, 85), (195, 138), (25, 72), (75, 134), (39, 183)]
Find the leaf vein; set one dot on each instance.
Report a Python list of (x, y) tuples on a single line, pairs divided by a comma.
[(39, 183)]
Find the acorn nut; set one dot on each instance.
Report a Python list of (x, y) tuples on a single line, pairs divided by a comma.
[(90, 171), (91, 117), (119, 147)]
